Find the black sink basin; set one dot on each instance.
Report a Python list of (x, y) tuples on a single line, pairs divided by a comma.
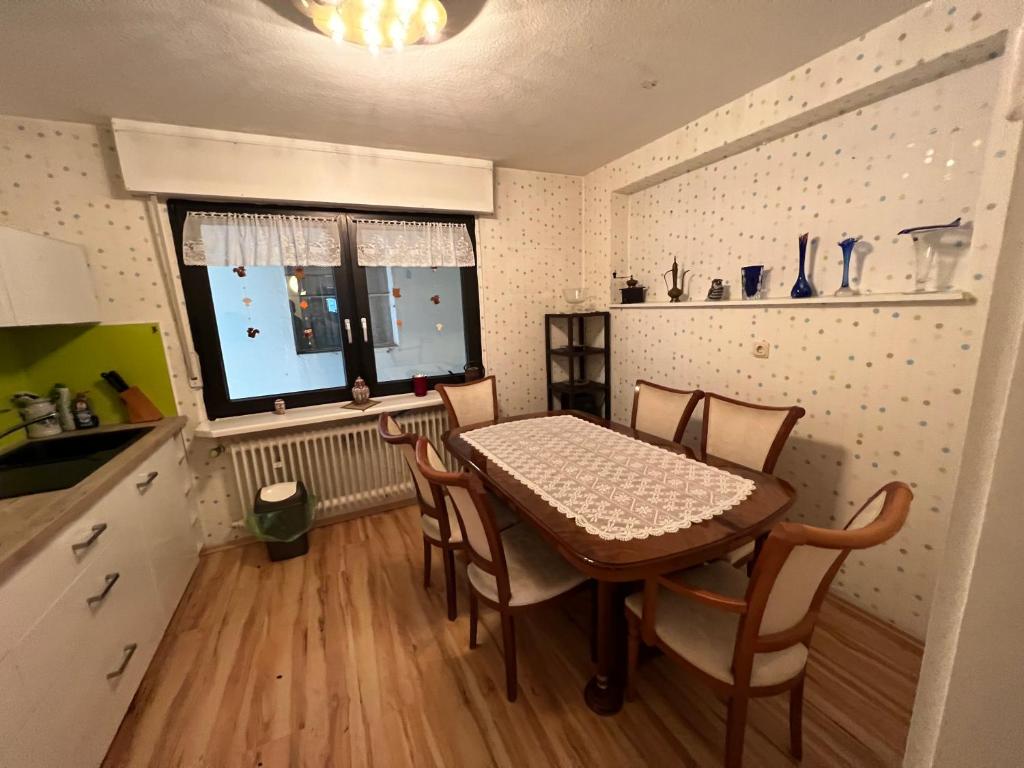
[(37, 466)]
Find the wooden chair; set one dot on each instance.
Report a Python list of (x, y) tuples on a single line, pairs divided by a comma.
[(747, 434), (750, 637), (471, 403), (509, 571), (662, 411), (437, 519)]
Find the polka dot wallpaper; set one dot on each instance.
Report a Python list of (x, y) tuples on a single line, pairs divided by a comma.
[(887, 388), (529, 252), (62, 180)]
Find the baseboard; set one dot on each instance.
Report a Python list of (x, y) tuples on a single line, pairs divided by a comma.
[(879, 624)]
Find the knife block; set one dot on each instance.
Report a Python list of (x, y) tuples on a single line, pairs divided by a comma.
[(140, 408)]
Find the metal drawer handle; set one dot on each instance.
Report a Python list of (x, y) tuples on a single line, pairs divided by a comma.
[(348, 329), (362, 321), (129, 651), (97, 531), (142, 486), (111, 579)]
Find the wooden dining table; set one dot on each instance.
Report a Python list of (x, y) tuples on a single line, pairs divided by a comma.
[(617, 566)]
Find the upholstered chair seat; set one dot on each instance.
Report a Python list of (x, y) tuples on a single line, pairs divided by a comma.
[(750, 637), (535, 571), (706, 636), (508, 570)]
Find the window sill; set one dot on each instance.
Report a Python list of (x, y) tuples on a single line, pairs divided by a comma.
[(313, 415)]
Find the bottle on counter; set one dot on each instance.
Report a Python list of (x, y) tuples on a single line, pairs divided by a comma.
[(84, 417), (61, 397)]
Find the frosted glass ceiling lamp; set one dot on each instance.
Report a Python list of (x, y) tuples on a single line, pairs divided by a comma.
[(377, 24)]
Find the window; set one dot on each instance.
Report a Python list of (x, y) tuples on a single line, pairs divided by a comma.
[(313, 305), (305, 332)]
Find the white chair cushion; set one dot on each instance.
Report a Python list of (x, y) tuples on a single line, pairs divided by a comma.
[(706, 636), (503, 516), (535, 571)]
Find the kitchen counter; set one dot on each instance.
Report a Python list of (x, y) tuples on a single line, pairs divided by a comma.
[(27, 523)]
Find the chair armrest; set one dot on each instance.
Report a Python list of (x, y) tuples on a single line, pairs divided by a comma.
[(706, 596)]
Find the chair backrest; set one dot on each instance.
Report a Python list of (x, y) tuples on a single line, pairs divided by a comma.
[(796, 567), (470, 403), (431, 499), (662, 411), (476, 517), (745, 433)]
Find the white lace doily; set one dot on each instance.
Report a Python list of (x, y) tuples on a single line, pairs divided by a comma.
[(610, 484)]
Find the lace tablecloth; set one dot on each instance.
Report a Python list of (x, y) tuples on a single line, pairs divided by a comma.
[(610, 484)]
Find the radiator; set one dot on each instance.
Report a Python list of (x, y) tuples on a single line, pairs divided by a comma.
[(345, 465)]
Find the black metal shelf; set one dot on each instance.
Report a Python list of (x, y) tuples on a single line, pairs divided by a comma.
[(578, 391), (578, 386), (577, 351)]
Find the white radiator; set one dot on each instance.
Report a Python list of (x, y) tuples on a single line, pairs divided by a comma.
[(346, 465)]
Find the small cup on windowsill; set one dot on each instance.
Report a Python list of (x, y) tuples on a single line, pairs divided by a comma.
[(419, 385)]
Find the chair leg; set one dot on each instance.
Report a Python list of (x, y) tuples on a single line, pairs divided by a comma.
[(474, 614), (426, 562), (735, 728), (633, 655), (449, 583), (796, 719), (508, 633)]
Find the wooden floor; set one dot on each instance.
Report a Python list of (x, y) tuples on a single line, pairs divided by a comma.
[(341, 658)]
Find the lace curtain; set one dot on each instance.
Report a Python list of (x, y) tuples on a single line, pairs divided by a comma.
[(412, 244), (261, 240)]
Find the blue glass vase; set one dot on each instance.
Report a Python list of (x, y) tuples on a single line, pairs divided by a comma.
[(801, 288), (847, 246), (751, 280)]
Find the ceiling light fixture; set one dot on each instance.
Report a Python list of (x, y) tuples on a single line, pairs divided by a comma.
[(377, 24)]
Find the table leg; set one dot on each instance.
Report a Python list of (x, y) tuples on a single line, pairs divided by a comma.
[(604, 692)]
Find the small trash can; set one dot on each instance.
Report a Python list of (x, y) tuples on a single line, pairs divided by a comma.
[(282, 515)]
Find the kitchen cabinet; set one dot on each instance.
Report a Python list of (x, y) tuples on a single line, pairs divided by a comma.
[(44, 281), (83, 618)]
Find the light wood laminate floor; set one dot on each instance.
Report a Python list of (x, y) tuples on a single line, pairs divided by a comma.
[(341, 658)]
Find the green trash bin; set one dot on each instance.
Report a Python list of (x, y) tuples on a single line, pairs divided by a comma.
[(281, 516)]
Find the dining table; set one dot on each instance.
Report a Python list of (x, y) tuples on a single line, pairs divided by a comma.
[(618, 555)]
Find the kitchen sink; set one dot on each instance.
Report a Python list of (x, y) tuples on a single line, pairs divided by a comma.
[(37, 466)]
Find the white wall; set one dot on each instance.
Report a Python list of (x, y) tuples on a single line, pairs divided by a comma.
[(968, 709)]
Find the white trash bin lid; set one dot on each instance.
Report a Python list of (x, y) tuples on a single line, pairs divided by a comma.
[(278, 492)]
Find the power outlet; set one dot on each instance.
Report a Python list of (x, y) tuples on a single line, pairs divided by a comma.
[(761, 349)]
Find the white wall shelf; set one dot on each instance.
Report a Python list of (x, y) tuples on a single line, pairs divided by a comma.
[(866, 299)]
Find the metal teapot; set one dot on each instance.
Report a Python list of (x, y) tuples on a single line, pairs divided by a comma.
[(675, 291)]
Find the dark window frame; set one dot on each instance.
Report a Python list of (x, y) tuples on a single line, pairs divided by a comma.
[(353, 300)]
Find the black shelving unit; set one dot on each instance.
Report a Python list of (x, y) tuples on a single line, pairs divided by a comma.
[(578, 391)]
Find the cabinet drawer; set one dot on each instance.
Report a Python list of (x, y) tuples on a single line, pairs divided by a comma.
[(76, 728), (39, 583), (77, 638)]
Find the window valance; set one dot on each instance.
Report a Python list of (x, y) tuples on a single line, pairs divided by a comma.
[(260, 240), (382, 243)]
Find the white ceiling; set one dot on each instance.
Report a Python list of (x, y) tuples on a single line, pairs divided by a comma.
[(551, 85)]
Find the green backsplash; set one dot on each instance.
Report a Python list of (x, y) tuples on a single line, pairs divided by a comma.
[(36, 358)]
